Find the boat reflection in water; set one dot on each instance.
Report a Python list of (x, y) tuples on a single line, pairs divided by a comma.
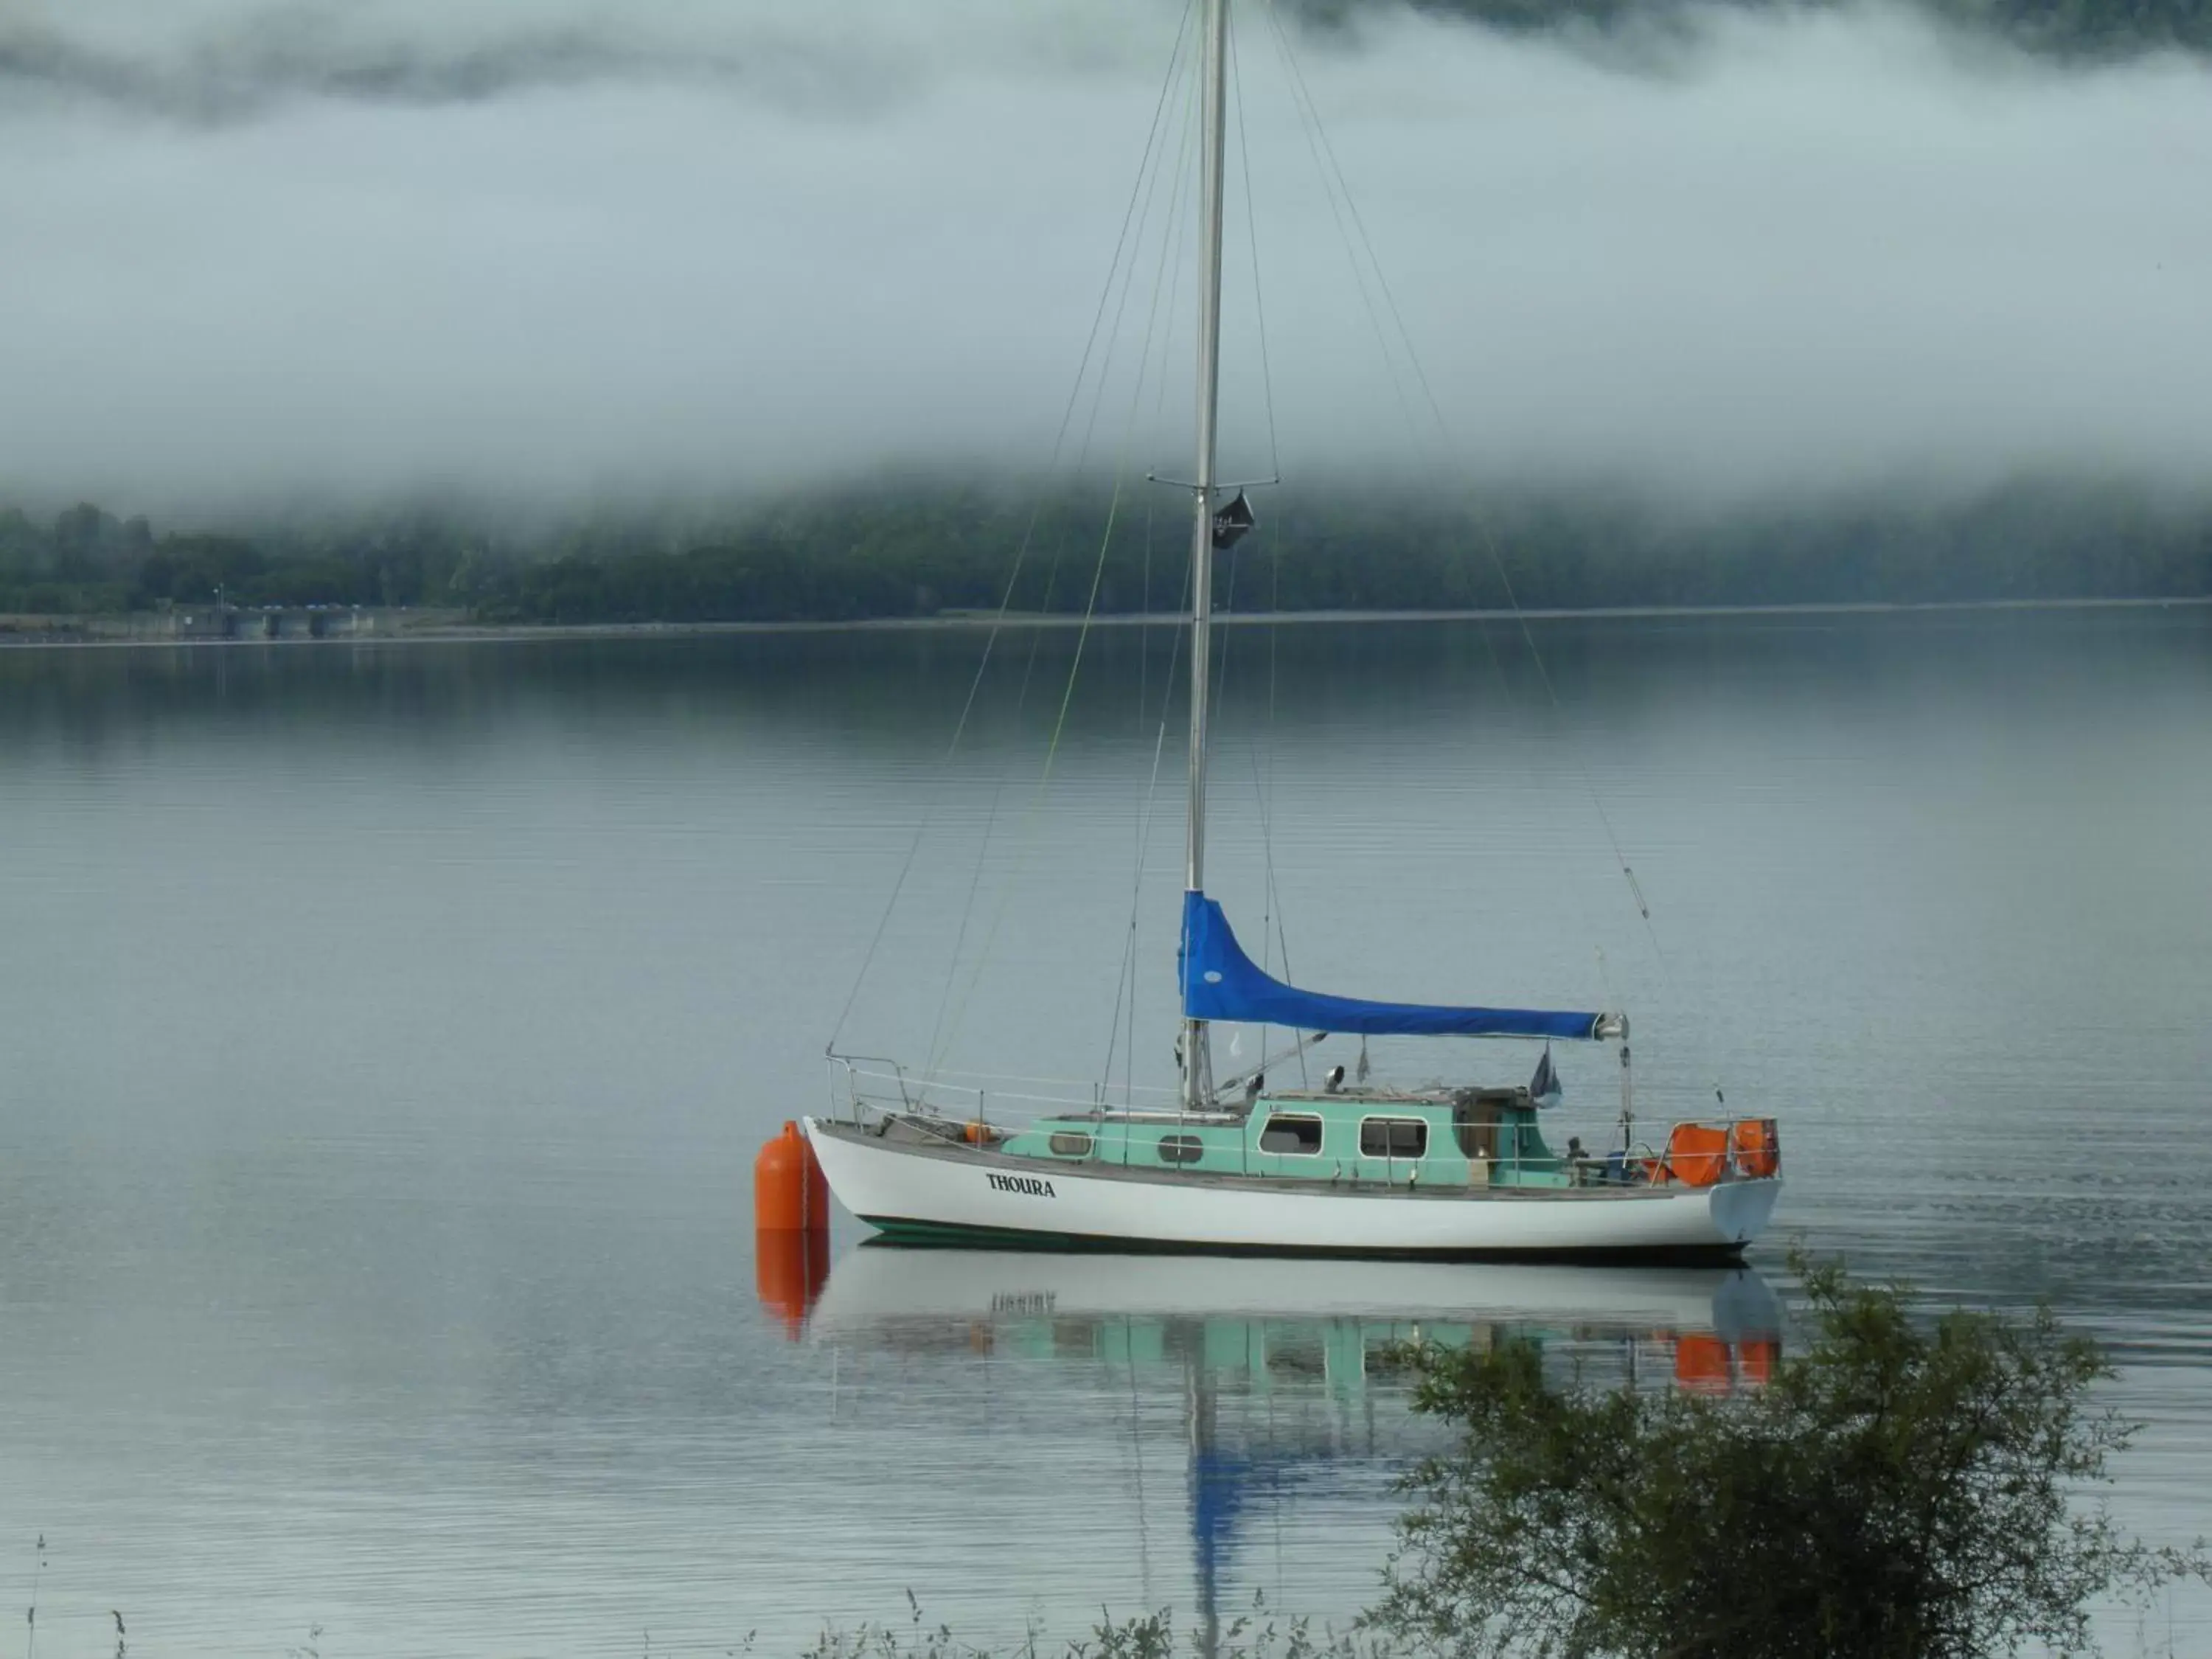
[(1283, 1366)]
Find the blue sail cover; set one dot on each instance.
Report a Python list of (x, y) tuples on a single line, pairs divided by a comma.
[(1219, 981)]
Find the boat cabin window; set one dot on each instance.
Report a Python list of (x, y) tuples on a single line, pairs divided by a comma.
[(1065, 1144), (1297, 1135), (1181, 1149), (1393, 1136)]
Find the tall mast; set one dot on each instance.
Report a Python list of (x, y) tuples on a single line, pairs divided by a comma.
[(1197, 1069)]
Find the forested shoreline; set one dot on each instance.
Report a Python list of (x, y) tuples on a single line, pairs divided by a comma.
[(926, 549)]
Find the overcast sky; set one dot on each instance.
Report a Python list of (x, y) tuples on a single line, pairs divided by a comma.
[(559, 248)]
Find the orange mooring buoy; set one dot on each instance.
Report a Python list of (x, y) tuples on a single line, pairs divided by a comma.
[(789, 1194), (791, 1228)]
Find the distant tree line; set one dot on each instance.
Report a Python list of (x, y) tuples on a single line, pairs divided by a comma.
[(88, 562), (919, 548)]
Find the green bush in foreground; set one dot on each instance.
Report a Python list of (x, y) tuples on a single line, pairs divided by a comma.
[(1906, 1489)]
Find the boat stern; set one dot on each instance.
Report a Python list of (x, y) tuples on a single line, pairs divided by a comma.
[(1742, 1209)]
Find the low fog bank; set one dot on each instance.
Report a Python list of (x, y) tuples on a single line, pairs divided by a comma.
[(218, 62), (215, 62), (549, 254)]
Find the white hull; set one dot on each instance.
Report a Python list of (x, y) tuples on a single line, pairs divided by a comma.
[(951, 1193)]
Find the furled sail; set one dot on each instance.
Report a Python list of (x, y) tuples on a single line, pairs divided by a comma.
[(1220, 983)]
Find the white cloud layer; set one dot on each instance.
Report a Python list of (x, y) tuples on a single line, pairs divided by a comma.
[(554, 248)]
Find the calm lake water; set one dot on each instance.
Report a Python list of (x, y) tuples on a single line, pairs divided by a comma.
[(388, 1032)]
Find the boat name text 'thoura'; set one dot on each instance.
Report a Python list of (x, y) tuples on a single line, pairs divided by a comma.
[(1029, 1185)]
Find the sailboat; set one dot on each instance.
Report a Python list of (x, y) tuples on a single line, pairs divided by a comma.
[(1342, 1168)]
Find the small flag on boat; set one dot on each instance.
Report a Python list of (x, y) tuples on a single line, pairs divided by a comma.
[(1544, 1087), (1230, 523)]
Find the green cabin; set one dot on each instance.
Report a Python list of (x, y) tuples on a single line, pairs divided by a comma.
[(1466, 1137)]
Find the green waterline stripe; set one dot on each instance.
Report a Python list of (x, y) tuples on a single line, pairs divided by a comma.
[(943, 1235)]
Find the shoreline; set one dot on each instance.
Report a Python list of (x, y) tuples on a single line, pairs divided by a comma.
[(431, 633)]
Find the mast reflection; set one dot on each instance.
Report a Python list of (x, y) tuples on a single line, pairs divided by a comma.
[(1284, 1367)]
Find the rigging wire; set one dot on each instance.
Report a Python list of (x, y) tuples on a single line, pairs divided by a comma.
[(1127, 976), (1331, 181), (1148, 182), (1269, 889), (1555, 830), (1125, 990), (990, 827), (938, 1030), (1129, 971), (1225, 650), (1220, 694), (1166, 275), (1044, 779), (1252, 239), (1125, 984), (1013, 576), (1265, 786), (1125, 987), (1318, 134), (1098, 576), (939, 1033), (1270, 898)]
